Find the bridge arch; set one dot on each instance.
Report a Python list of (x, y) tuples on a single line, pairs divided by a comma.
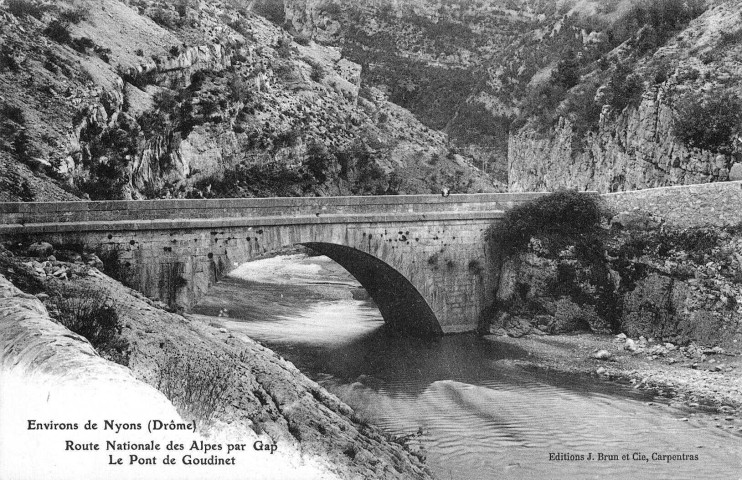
[(401, 305)]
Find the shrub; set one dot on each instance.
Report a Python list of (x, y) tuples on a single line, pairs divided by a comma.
[(624, 88), (540, 106), (82, 44), (708, 120), (23, 8), (730, 38), (566, 213), (271, 10), (11, 112), (59, 32), (319, 161), (567, 72), (317, 73), (137, 78), (75, 14), (22, 145), (197, 385), (165, 18), (287, 138), (583, 111), (7, 60), (90, 312)]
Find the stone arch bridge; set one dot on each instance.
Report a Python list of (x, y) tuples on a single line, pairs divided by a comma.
[(424, 259)]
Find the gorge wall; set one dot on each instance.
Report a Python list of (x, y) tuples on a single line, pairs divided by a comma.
[(660, 109), (635, 151)]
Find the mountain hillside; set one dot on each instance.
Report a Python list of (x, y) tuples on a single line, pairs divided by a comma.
[(148, 99), (549, 94), (205, 98)]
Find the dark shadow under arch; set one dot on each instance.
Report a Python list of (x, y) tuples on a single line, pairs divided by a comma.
[(404, 309)]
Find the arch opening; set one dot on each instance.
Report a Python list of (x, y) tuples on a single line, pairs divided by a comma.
[(402, 307)]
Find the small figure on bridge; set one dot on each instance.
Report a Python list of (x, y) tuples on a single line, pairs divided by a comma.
[(445, 192)]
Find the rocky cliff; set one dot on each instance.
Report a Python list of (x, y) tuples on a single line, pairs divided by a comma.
[(673, 280), (146, 99), (660, 132)]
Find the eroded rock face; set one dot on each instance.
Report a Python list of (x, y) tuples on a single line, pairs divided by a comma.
[(544, 295), (636, 151), (637, 148), (677, 285), (312, 19)]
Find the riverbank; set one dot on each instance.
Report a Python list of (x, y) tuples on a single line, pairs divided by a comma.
[(265, 398), (700, 379)]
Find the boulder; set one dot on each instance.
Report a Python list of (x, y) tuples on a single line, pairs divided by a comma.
[(635, 219), (602, 355), (40, 249)]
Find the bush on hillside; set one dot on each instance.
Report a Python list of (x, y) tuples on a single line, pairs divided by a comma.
[(7, 59), (319, 161), (23, 8), (566, 213), (271, 10), (165, 18), (59, 32), (197, 385), (318, 73), (90, 312), (567, 72), (75, 14), (708, 120), (624, 88)]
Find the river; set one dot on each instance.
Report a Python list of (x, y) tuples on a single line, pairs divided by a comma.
[(474, 414)]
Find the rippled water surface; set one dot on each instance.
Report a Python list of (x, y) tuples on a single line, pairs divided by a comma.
[(478, 416)]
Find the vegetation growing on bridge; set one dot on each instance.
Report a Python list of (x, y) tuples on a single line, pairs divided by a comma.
[(563, 233), (559, 218)]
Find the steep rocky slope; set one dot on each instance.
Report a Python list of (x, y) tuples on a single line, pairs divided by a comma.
[(257, 394), (665, 116), (149, 99)]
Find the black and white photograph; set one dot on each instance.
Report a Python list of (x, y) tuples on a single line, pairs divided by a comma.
[(370, 239)]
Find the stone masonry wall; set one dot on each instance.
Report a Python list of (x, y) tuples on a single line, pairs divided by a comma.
[(447, 262), (685, 206)]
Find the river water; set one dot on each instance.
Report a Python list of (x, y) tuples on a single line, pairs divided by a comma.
[(473, 413)]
